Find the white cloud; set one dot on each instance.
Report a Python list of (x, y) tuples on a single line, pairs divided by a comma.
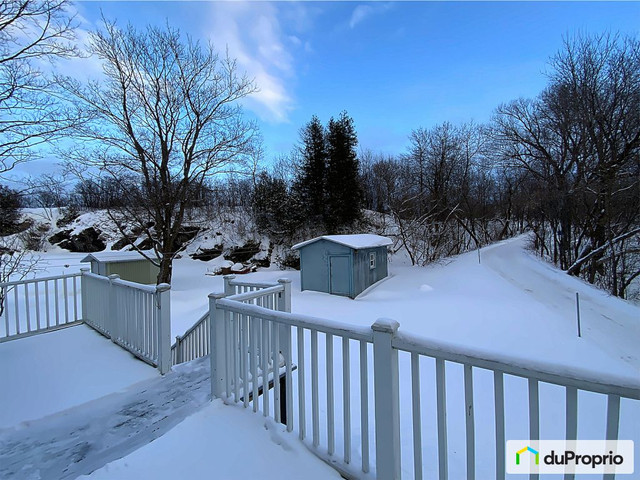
[(359, 14), (295, 40), (363, 11), (79, 67), (253, 34)]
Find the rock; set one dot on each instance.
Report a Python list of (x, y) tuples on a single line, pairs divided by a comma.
[(60, 236), (206, 254), (88, 240), (69, 214), (262, 262), (123, 242), (244, 253)]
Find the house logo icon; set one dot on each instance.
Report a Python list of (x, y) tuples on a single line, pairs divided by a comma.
[(527, 448)]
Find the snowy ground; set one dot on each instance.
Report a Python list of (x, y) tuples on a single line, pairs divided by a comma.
[(221, 442), (56, 371), (509, 304), (121, 428)]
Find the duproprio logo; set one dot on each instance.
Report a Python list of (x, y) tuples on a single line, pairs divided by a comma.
[(570, 456), (527, 448)]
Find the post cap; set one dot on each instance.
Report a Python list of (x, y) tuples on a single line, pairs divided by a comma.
[(216, 296), (229, 277), (85, 269), (284, 280), (163, 287), (114, 276), (386, 325)]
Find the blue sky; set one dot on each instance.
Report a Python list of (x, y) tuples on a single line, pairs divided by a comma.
[(393, 66)]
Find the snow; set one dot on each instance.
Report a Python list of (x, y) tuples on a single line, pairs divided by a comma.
[(357, 242), (161, 427), (82, 439), (52, 372), (508, 305), (511, 303), (222, 442), (117, 256)]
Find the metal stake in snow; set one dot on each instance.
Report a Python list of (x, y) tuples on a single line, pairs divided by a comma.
[(578, 312)]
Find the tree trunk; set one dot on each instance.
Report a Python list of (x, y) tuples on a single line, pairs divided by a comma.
[(166, 269)]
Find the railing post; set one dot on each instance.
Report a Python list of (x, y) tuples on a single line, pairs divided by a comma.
[(284, 298), (112, 322), (163, 298), (178, 349), (217, 345), (286, 395), (84, 292), (387, 399), (228, 288)]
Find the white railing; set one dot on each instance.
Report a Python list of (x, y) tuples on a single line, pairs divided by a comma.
[(447, 359), (194, 343), (345, 399), (235, 287), (136, 317), (28, 307)]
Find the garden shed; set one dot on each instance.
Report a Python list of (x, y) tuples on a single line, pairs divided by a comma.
[(131, 266), (343, 264)]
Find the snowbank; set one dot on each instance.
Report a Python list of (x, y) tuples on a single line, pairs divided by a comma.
[(221, 442)]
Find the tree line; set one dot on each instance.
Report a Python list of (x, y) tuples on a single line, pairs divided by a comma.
[(564, 165), (324, 193), (163, 133)]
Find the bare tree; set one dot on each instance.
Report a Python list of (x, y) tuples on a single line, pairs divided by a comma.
[(48, 191), (166, 117), (580, 142), (32, 32), (445, 205), (15, 264), (379, 176)]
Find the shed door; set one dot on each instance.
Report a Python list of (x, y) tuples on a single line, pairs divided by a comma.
[(339, 275)]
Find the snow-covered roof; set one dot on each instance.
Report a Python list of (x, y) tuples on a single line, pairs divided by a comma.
[(109, 257), (357, 242)]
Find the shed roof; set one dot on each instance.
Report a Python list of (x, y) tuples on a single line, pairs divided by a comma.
[(111, 257), (357, 242)]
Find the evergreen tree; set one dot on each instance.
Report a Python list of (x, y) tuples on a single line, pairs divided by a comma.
[(309, 186), (9, 210), (271, 206), (343, 189)]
